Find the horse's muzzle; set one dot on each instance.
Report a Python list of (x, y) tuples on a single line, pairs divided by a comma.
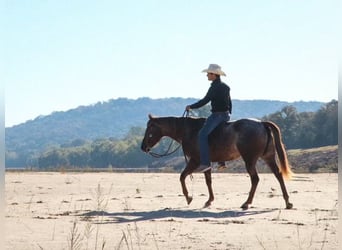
[(145, 148)]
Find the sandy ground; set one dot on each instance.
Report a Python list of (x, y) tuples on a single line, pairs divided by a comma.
[(148, 211)]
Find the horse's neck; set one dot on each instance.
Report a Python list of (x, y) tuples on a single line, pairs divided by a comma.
[(173, 128), (177, 127)]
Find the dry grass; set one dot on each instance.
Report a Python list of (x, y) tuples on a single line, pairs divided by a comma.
[(315, 160), (313, 150), (147, 211)]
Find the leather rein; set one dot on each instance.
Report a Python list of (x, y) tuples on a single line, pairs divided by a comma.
[(169, 151)]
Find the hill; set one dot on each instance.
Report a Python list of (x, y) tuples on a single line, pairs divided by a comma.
[(114, 118)]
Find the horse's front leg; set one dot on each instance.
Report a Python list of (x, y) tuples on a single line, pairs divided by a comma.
[(188, 170), (207, 175)]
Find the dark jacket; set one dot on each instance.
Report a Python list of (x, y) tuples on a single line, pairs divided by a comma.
[(219, 96)]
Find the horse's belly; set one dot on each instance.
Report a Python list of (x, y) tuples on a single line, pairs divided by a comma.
[(224, 153)]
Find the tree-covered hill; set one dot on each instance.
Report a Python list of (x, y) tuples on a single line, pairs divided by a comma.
[(304, 130), (113, 119)]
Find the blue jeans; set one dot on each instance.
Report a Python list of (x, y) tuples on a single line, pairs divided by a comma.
[(210, 124)]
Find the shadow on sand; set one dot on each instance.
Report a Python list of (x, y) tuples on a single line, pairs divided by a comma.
[(167, 213)]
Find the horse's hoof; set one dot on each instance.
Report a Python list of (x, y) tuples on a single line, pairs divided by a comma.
[(245, 206), (289, 205), (207, 204), (189, 200)]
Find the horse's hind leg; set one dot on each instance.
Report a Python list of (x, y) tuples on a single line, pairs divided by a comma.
[(250, 166), (188, 170), (274, 167)]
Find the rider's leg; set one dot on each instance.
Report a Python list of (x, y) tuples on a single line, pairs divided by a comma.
[(211, 123)]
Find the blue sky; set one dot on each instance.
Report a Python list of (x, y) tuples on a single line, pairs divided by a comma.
[(62, 54)]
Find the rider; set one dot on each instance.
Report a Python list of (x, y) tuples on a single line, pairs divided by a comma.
[(221, 107)]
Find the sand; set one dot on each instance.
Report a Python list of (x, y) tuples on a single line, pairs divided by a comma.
[(148, 211)]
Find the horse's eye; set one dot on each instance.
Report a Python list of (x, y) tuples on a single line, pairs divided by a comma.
[(150, 135)]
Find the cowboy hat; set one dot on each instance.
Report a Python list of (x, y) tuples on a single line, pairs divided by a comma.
[(215, 69)]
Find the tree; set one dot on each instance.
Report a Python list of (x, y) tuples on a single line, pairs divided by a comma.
[(288, 121), (79, 156), (306, 134), (326, 124), (308, 129), (52, 158)]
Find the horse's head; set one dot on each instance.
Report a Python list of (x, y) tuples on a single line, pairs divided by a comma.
[(153, 134)]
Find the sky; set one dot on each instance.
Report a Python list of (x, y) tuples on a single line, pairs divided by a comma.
[(59, 55)]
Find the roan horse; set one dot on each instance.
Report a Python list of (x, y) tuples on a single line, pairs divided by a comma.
[(251, 139)]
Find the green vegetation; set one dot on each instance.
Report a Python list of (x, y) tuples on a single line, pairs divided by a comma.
[(308, 129), (299, 129)]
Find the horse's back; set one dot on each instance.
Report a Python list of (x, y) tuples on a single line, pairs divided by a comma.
[(243, 120), (230, 129), (245, 125), (242, 131)]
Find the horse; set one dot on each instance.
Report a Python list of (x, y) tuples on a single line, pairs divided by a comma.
[(250, 139)]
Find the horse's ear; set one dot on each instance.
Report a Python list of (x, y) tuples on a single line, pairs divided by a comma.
[(150, 116)]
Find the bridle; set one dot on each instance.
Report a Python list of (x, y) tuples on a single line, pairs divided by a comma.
[(169, 150)]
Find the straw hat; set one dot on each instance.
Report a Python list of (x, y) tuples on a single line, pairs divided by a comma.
[(215, 69)]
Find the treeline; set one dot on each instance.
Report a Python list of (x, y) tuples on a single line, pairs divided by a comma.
[(25, 142), (299, 130), (100, 153), (308, 129)]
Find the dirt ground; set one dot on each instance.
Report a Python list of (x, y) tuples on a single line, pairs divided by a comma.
[(148, 211)]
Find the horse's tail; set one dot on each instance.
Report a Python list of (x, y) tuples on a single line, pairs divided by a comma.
[(284, 165)]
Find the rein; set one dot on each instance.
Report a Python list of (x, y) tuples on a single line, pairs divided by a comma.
[(168, 151)]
